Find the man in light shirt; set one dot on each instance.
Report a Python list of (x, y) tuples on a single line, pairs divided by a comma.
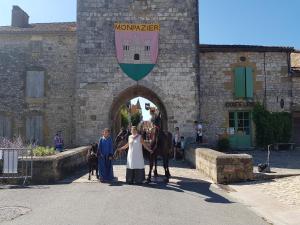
[(199, 132)]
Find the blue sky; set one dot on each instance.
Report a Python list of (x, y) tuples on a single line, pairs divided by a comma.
[(257, 22)]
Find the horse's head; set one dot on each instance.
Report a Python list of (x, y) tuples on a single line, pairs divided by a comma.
[(94, 148)]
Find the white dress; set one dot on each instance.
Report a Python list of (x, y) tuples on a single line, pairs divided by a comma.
[(135, 158)]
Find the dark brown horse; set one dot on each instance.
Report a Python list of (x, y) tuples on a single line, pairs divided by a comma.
[(161, 143)]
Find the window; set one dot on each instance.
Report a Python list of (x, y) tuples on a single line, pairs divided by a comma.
[(243, 82), (125, 47), (35, 84), (5, 126), (147, 48), (240, 122), (34, 129), (36, 46), (243, 123), (136, 56)]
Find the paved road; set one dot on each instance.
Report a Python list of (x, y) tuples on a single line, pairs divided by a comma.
[(185, 200)]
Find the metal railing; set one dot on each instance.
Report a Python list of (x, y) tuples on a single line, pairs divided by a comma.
[(16, 163)]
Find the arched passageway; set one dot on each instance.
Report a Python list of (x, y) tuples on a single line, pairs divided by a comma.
[(131, 93)]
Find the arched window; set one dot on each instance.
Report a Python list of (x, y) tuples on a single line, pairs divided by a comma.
[(243, 82)]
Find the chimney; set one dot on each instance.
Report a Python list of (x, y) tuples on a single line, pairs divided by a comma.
[(19, 18)]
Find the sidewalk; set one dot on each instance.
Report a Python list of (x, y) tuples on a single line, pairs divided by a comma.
[(282, 163), (278, 200), (274, 196)]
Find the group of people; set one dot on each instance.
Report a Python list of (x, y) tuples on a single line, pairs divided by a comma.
[(135, 172), (179, 141)]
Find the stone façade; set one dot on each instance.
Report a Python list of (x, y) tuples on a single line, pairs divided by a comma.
[(84, 84)]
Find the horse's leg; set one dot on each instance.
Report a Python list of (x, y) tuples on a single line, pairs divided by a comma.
[(97, 175), (150, 168), (155, 167), (165, 168), (90, 168), (167, 165)]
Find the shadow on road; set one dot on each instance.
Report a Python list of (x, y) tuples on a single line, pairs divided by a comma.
[(187, 185)]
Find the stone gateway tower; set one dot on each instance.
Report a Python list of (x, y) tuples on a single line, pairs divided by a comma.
[(102, 86)]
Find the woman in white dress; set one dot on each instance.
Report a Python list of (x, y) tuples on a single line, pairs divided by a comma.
[(135, 172)]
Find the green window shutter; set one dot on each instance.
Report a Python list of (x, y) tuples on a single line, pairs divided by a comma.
[(249, 82), (239, 82)]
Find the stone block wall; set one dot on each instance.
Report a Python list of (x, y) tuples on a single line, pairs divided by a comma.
[(100, 79), (217, 85), (55, 54), (51, 169), (220, 167)]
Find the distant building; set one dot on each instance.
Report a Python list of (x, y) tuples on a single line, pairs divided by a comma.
[(136, 108)]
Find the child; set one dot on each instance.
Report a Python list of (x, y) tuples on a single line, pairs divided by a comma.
[(105, 155), (182, 146), (176, 141)]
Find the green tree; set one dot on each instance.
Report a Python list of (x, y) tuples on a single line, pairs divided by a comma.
[(136, 118), (124, 116)]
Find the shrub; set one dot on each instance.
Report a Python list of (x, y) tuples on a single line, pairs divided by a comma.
[(223, 144), (271, 127), (43, 151)]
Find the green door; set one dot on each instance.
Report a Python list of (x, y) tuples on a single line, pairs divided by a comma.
[(240, 127)]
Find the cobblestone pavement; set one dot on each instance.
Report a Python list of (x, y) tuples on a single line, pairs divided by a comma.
[(285, 190)]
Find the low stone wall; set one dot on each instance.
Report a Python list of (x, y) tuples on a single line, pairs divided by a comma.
[(220, 167), (50, 169), (54, 168)]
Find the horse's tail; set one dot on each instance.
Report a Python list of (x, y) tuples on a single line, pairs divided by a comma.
[(169, 142)]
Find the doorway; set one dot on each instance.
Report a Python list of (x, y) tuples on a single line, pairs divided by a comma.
[(240, 129)]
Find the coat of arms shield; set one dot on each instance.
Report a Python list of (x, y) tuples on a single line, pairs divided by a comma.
[(137, 48)]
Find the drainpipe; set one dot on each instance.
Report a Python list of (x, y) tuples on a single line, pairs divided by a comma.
[(265, 74), (197, 58)]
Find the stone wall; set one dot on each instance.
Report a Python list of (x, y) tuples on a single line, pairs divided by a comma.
[(100, 79), (54, 53), (55, 168), (220, 167), (217, 85), (51, 169)]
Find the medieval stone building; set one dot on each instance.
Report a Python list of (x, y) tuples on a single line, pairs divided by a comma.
[(66, 76)]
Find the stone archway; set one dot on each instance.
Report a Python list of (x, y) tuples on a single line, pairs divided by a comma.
[(133, 92)]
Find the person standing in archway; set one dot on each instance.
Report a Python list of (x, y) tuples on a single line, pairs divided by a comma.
[(135, 172), (199, 132)]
